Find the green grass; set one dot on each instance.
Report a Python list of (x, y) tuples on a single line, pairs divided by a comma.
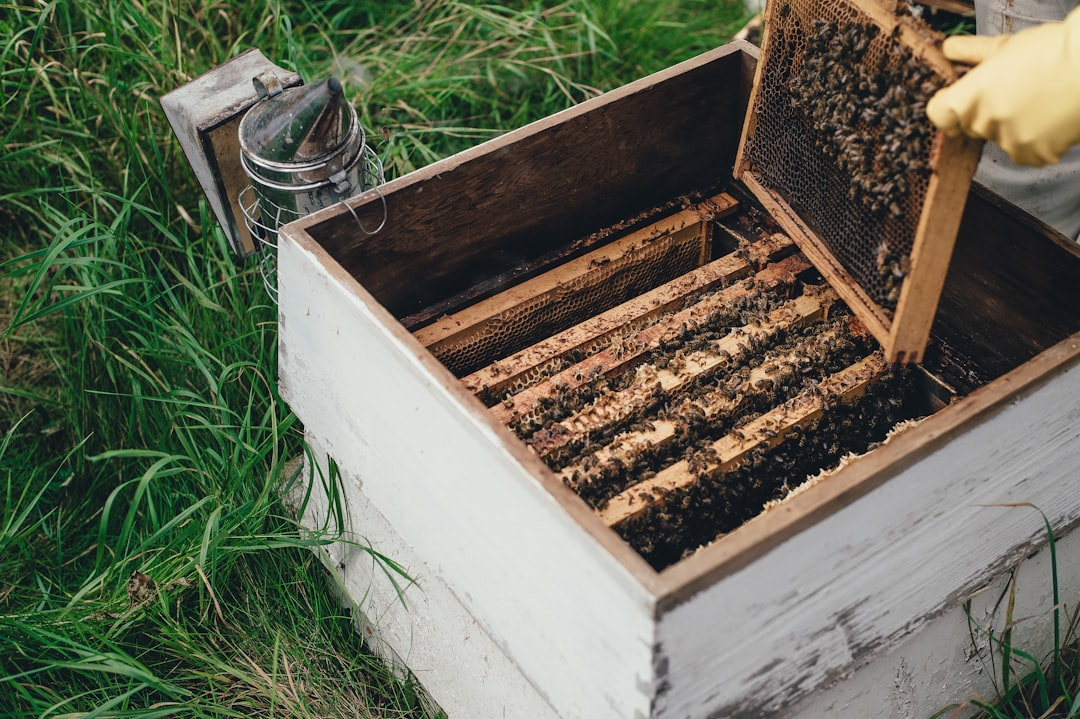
[(140, 426), (1028, 686)]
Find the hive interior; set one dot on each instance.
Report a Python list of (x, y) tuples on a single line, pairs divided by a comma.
[(473, 228), (683, 374)]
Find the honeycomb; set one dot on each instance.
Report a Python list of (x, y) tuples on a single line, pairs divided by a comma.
[(603, 287), (840, 132)]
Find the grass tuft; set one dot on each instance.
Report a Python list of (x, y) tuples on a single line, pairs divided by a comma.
[(1027, 686)]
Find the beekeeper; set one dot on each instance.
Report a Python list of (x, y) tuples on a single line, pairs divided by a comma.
[(1024, 96)]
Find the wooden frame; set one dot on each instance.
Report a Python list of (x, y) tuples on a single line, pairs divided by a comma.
[(524, 602), (767, 430), (904, 333), (663, 430), (504, 375), (610, 359), (611, 408), (597, 280)]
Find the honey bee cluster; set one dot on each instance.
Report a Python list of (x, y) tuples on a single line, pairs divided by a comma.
[(671, 353), (680, 413), (715, 406), (716, 503), (606, 434), (842, 131), (868, 117)]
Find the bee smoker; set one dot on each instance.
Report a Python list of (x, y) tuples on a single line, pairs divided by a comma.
[(303, 150)]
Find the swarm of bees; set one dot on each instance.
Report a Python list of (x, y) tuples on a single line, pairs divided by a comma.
[(868, 117), (606, 434), (718, 502), (842, 131), (679, 418)]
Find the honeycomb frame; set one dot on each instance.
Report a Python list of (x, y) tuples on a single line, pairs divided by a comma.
[(837, 147), (509, 321)]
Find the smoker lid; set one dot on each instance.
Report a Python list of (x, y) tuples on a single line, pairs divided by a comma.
[(299, 125)]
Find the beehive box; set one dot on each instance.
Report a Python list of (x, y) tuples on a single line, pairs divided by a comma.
[(525, 603)]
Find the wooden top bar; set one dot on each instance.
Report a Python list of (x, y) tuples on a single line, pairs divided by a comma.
[(614, 358), (766, 431)]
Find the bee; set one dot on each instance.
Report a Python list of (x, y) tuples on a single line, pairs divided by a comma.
[(764, 385)]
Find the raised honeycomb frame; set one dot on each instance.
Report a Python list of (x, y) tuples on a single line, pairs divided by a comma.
[(931, 212)]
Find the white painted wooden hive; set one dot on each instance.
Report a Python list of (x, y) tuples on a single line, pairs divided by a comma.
[(526, 602)]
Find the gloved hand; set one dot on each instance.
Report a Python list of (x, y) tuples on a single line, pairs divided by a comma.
[(1023, 94)]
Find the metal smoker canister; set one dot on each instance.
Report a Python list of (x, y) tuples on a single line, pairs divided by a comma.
[(304, 150)]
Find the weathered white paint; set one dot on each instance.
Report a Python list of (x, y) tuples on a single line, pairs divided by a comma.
[(940, 665), (454, 486), (879, 568), (420, 625)]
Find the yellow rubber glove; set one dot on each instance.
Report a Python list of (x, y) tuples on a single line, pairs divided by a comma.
[(1023, 94)]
